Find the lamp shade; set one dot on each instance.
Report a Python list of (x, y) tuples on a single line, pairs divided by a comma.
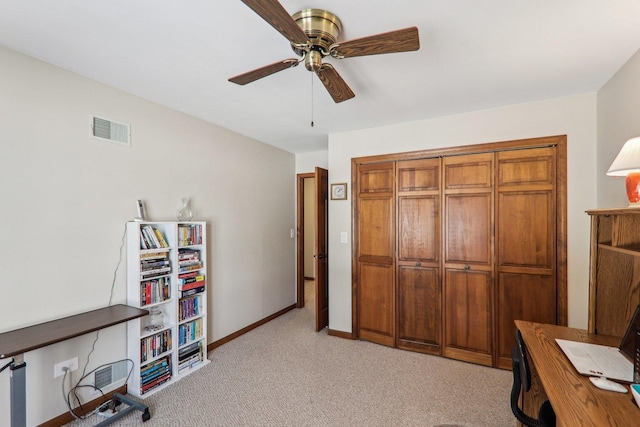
[(627, 160)]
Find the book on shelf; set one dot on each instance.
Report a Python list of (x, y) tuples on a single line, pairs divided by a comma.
[(152, 238), (190, 292), (187, 280), (155, 272), (189, 307), (189, 234), (153, 255), (155, 383), (192, 285)]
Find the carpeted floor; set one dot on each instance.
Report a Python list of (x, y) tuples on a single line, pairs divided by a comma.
[(285, 374)]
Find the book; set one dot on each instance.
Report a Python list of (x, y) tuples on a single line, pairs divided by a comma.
[(190, 292), (155, 383), (192, 285)]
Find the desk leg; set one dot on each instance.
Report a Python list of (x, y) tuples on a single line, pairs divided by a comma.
[(18, 392)]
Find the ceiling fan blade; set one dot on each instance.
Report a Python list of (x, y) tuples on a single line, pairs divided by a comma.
[(336, 86), (394, 41), (277, 16), (258, 73)]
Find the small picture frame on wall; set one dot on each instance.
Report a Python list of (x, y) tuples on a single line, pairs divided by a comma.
[(339, 191)]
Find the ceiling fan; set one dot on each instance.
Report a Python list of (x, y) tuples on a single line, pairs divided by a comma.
[(313, 34)]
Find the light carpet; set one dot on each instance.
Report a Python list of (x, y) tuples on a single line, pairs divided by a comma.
[(286, 374)]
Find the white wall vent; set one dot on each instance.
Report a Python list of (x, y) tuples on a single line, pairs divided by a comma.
[(111, 374), (109, 130)]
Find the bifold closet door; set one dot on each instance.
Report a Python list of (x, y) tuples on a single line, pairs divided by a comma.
[(468, 257), (526, 242), (375, 253), (419, 290)]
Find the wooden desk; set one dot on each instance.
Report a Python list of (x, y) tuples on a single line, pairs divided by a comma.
[(16, 343), (575, 400)]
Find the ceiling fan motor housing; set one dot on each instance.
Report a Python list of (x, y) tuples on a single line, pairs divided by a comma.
[(322, 27)]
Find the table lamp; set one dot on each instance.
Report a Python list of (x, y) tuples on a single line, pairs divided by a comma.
[(627, 163)]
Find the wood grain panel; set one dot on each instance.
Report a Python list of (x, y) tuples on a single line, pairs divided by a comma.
[(419, 175), (468, 173), (617, 291), (376, 303), (529, 296), (526, 229), (419, 228), (376, 227), (520, 168), (468, 228), (376, 178), (468, 308), (419, 309)]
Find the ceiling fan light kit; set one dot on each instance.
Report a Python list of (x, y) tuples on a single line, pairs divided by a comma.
[(313, 34)]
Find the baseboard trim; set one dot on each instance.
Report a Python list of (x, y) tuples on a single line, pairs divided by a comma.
[(66, 418), (341, 334), (244, 330)]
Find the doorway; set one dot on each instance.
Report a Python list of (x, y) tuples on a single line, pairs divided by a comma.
[(311, 243)]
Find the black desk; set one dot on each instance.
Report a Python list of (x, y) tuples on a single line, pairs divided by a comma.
[(17, 342)]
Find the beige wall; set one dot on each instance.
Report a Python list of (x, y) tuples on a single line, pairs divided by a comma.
[(618, 120), (66, 198), (574, 116)]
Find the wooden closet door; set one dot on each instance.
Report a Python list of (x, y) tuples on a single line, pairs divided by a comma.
[(375, 253), (526, 242), (419, 301), (468, 257)]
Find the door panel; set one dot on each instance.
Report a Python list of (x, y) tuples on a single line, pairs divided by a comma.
[(418, 282), (419, 313), (321, 252), (468, 228), (526, 250), (468, 301), (375, 254), (375, 303)]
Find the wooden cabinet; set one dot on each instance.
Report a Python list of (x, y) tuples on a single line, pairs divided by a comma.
[(452, 247), (614, 281)]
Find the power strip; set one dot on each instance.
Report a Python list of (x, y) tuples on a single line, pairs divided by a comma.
[(107, 409)]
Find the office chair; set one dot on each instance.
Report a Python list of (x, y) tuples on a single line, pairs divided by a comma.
[(521, 384)]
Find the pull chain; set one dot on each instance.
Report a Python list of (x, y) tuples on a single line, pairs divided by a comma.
[(311, 99)]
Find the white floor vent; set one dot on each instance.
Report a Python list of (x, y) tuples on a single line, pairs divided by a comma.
[(109, 130), (111, 374)]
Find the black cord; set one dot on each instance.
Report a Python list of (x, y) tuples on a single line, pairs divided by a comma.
[(74, 390), (7, 365)]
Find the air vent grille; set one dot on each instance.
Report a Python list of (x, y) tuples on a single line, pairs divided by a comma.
[(111, 131), (110, 374)]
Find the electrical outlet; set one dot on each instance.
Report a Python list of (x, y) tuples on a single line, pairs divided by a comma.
[(72, 364)]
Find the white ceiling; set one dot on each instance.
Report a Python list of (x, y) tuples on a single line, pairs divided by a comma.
[(474, 54)]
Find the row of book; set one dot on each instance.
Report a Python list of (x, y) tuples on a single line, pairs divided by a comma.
[(189, 307), (155, 345), (189, 260), (190, 331), (155, 290), (155, 374), (189, 356), (189, 234), (190, 283), (152, 238), (157, 266)]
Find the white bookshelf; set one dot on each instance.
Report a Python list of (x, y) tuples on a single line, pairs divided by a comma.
[(169, 350)]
